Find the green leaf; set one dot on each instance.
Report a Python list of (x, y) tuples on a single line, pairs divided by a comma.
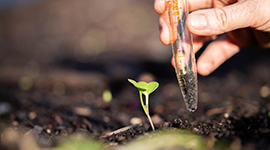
[(146, 88), (133, 82), (152, 86), (139, 87), (143, 85)]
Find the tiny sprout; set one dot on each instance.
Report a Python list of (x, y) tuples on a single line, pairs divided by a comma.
[(146, 89)]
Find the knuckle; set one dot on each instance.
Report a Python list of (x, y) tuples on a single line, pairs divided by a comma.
[(222, 19), (262, 19)]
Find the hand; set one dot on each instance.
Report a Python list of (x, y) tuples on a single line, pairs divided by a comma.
[(245, 22)]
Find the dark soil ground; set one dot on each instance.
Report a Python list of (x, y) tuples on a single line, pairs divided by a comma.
[(56, 97), (232, 104)]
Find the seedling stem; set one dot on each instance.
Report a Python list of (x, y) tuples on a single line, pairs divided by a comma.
[(145, 89)]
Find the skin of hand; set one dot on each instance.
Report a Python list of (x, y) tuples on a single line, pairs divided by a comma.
[(241, 23)]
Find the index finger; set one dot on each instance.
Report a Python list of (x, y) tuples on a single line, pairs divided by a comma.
[(160, 5), (199, 4)]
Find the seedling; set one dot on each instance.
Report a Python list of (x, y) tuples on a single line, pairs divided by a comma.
[(146, 89)]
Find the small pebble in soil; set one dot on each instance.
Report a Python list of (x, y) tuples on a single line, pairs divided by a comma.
[(113, 143), (15, 123), (265, 91), (195, 129), (135, 120), (48, 131), (226, 115), (156, 119), (32, 115)]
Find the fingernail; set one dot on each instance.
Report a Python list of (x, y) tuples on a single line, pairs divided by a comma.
[(198, 21)]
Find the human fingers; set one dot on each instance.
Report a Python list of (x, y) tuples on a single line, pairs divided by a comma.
[(160, 6), (246, 13), (165, 33), (199, 4), (164, 28), (215, 54), (198, 42)]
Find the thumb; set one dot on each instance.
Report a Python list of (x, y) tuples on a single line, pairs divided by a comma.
[(216, 21)]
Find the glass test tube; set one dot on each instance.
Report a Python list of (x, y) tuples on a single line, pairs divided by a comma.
[(183, 54)]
